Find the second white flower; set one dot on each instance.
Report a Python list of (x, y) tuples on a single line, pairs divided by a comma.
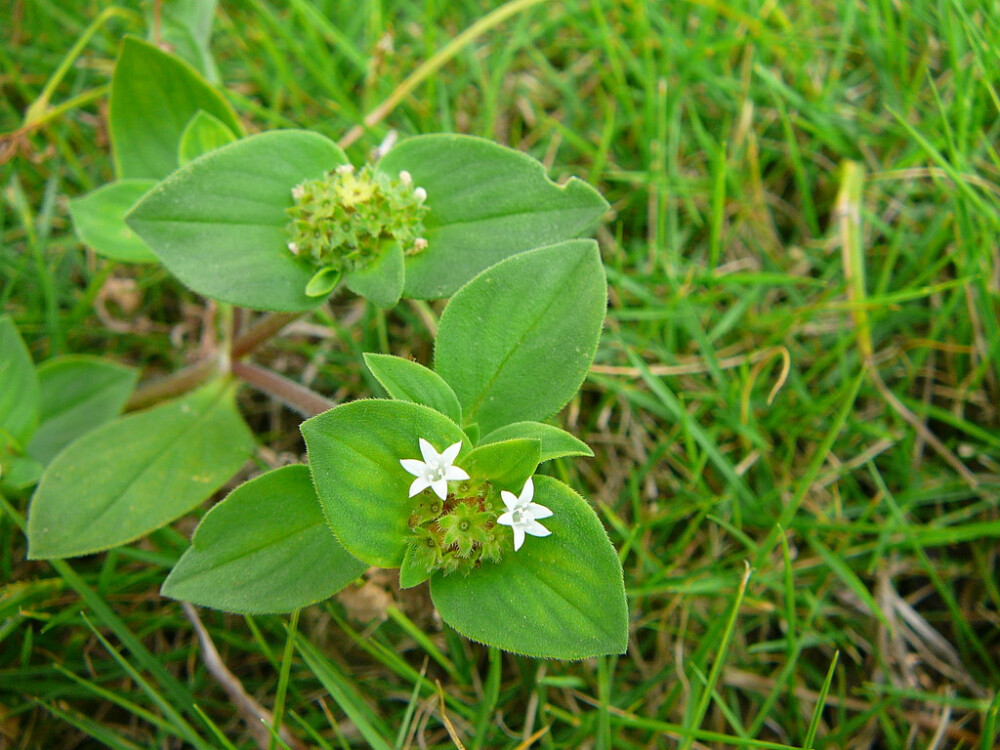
[(522, 515)]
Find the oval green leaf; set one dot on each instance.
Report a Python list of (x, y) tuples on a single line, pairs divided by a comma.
[(507, 464), (406, 380), (18, 473), (265, 548), (202, 134), (99, 220), (560, 596), (78, 394), (381, 283), (131, 476), (355, 452), (486, 202), (516, 342), (218, 222), (323, 282), (411, 572), (556, 442), (153, 96), (18, 384)]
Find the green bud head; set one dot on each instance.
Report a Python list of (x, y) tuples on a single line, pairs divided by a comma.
[(457, 535), (343, 221)]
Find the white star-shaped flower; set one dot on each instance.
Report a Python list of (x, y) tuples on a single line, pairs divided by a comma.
[(522, 515), (436, 470)]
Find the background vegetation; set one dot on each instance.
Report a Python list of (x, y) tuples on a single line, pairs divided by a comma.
[(794, 407)]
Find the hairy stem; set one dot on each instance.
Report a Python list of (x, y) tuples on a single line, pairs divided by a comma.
[(297, 397), (191, 377), (261, 331)]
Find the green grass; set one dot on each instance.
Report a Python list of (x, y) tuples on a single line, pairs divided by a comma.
[(737, 407)]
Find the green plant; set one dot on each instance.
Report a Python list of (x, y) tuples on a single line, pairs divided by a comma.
[(278, 221)]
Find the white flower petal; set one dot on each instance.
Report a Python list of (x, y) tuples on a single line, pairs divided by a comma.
[(535, 529), (449, 454), (528, 492), (454, 474), (518, 537), (509, 499), (538, 511), (412, 465), (507, 519), (427, 451), (419, 485), (440, 488)]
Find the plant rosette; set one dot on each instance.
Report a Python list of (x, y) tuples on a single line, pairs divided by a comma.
[(441, 479)]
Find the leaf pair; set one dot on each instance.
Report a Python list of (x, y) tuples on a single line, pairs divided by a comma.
[(218, 222)]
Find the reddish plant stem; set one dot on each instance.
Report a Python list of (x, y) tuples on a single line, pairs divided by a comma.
[(261, 331), (176, 384), (296, 397), (194, 375)]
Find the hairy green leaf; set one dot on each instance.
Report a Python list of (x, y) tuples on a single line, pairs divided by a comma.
[(153, 96), (202, 134), (508, 464), (99, 220), (186, 25), (355, 452), (265, 548), (406, 380), (556, 443), (560, 596), (133, 475), (218, 223), (78, 394), (515, 343), (18, 384), (382, 282), (486, 202), (411, 572)]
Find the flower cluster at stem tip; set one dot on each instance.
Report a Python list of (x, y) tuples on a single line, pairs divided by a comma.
[(344, 220), (456, 528)]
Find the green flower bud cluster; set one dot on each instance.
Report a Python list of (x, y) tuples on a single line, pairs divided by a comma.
[(456, 534), (344, 220)]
